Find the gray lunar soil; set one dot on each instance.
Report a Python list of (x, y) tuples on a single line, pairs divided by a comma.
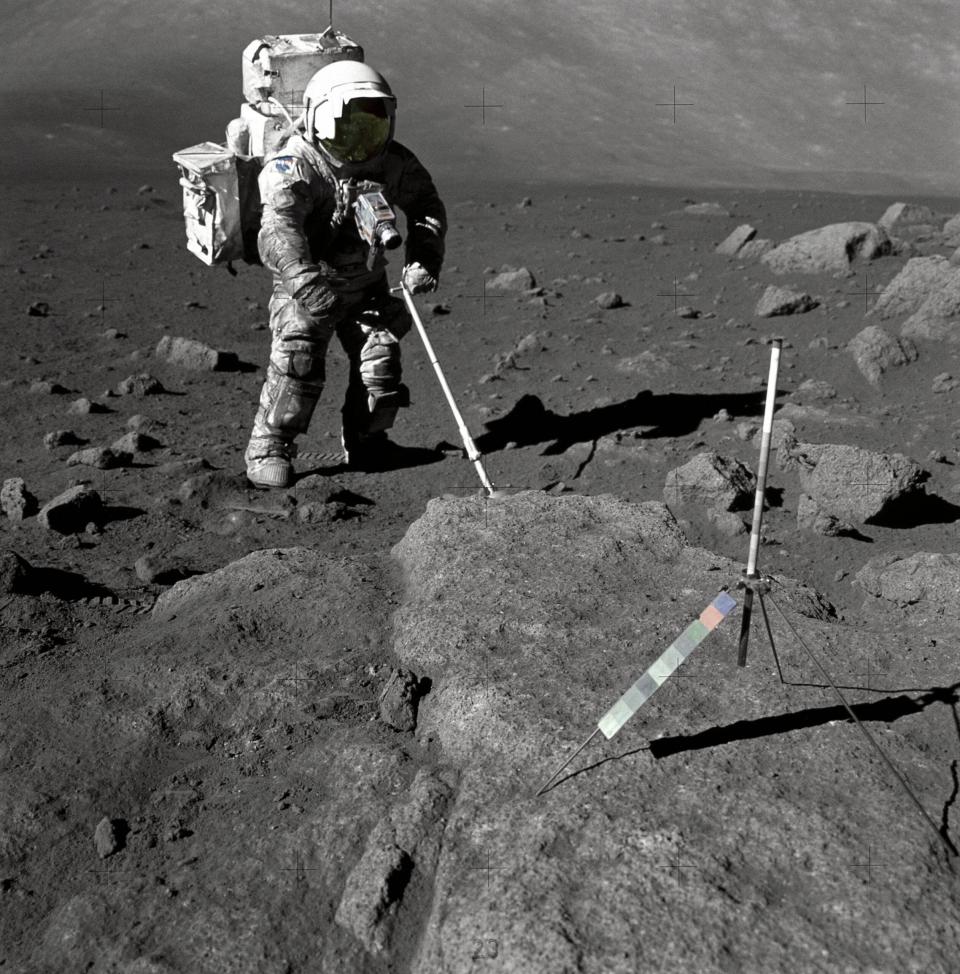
[(303, 730)]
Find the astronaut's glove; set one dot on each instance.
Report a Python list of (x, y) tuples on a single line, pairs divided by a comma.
[(417, 279), (316, 298)]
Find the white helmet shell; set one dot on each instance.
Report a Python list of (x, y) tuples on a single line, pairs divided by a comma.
[(332, 87)]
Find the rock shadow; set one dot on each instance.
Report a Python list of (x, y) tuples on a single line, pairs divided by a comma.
[(916, 509), (670, 415)]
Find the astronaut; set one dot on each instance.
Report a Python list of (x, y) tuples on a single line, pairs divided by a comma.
[(325, 279)]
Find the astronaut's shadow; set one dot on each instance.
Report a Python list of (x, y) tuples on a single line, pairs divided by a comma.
[(397, 457), (671, 414)]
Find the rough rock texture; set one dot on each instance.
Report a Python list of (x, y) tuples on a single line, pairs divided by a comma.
[(875, 351), (937, 318), (142, 384), (515, 279), (14, 572), (609, 300), (57, 438), (134, 442), (831, 248), (902, 216), (108, 837), (850, 483), (17, 502), (732, 244), (917, 280), (402, 846), (71, 511), (102, 457), (783, 301), (710, 480), (399, 699), (755, 249), (925, 582), (191, 354)]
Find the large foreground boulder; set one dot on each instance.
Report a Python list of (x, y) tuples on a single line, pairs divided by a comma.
[(830, 249)]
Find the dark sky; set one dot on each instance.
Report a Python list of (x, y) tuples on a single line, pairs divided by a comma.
[(767, 84)]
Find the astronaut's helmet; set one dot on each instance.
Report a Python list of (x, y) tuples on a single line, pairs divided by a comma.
[(349, 112)]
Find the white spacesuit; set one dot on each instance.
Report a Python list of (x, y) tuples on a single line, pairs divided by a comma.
[(326, 281)]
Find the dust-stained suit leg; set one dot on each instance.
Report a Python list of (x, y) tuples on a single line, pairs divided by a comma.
[(295, 376), (304, 310), (371, 340)]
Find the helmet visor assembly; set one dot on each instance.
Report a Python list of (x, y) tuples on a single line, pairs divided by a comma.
[(362, 130)]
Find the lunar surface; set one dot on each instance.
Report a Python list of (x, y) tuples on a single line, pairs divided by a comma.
[(312, 729)]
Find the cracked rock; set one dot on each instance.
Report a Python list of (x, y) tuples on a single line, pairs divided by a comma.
[(399, 700), (875, 352), (404, 843)]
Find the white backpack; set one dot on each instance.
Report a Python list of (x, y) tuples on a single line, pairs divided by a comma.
[(221, 199)]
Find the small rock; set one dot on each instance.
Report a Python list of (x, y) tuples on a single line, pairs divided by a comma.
[(399, 699), (62, 438), (156, 569), (102, 457), (142, 384), (145, 190), (14, 573), (810, 517), (38, 309), (687, 311), (609, 300), (782, 301), (44, 387), (710, 480), (70, 511), (944, 382), (732, 244), (134, 442), (726, 522), (525, 202), (84, 406), (512, 280), (17, 502), (875, 351), (108, 837), (190, 354)]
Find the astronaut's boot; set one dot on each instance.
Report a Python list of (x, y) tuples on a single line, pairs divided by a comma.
[(363, 435), (287, 401)]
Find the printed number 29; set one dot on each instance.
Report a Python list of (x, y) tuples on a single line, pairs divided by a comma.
[(488, 949)]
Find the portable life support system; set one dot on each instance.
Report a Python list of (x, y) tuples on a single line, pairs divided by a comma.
[(221, 199)]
